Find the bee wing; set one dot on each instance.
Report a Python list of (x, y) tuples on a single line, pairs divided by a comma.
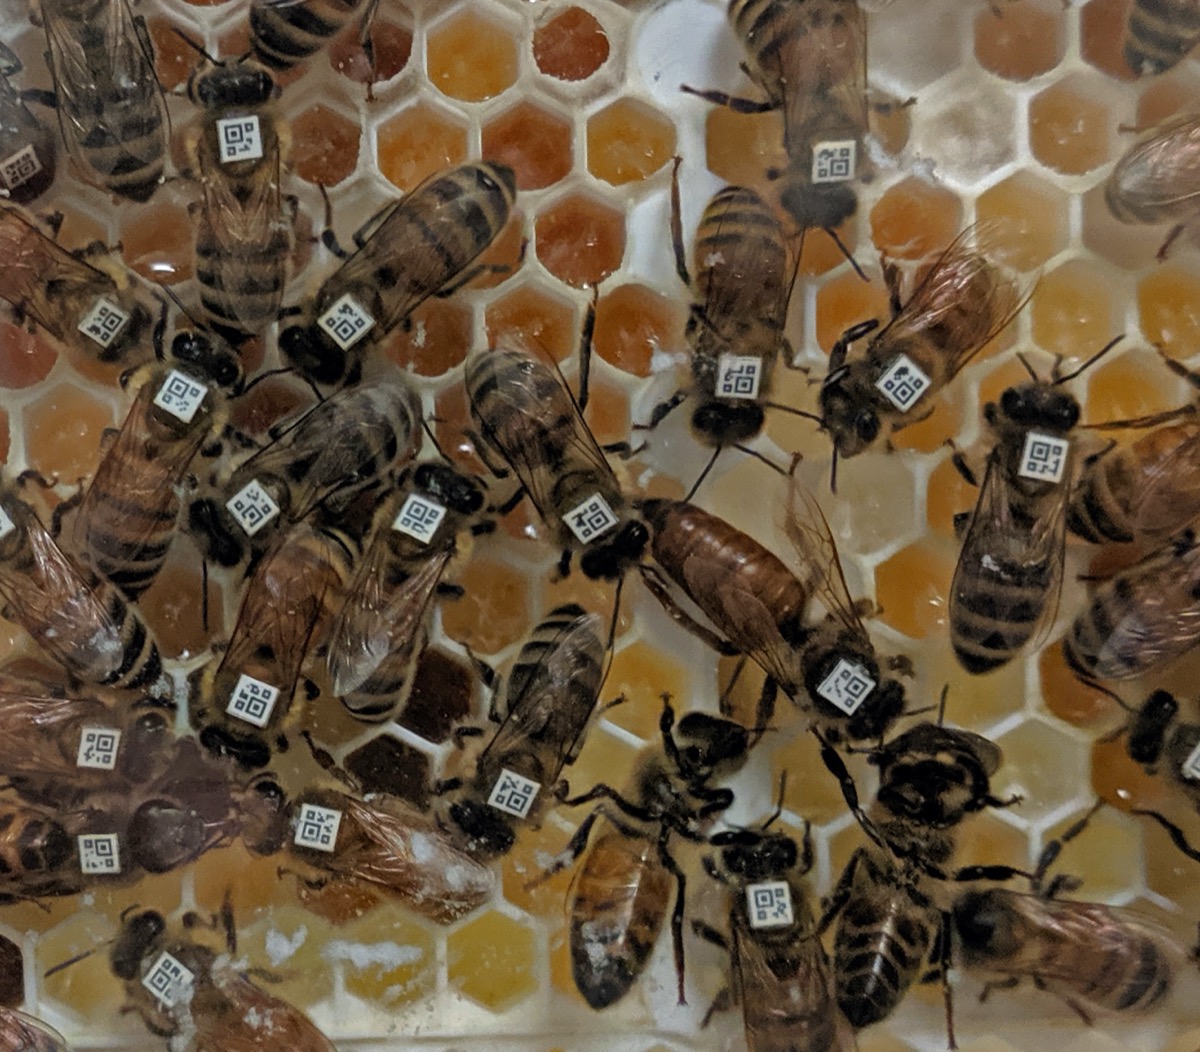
[(379, 619), (252, 1019), (1172, 483), (20, 1032), (1159, 173)]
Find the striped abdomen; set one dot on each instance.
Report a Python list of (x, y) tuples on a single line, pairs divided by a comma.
[(241, 282), (283, 34), (1160, 33)]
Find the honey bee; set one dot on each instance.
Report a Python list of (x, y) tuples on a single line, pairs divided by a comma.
[(505, 778), (98, 314), (1155, 181), (127, 518), (27, 150), (421, 246), (781, 975), (284, 33), (1009, 573), (242, 236), (110, 105), (383, 625), (527, 416), (1158, 36), (20, 1032), (958, 303), (89, 630)]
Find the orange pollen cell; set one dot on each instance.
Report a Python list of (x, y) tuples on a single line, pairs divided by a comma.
[(580, 241), (914, 219), (324, 147), (157, 242), (533, 141), (570, 46), (27, 357), (633, 323)]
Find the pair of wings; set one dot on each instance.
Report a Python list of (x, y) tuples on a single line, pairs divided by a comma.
[(1159, 174), (248, 1019), (1167, 489)]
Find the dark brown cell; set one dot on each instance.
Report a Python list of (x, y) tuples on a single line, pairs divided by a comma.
[(387, 765), (440, 697), (12, 974)]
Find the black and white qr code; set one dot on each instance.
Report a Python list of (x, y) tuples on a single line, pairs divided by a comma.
[(1044, 457), (252, 507), (513, 793), (317, 827), (346, 322), (18, 168), (769, 904), (239, 139), (1191, 766), (180, 395), (168, 979), (99, 853), (6, 524), (98, 748), (833, 162), (738, 376), (104, 322), (902, 383), (252, 701), (847, 686), (591, 518), (419, 517)]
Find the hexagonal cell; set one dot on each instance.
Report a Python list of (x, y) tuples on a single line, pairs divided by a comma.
[(570, 45), (441, 696), (977, 703), (1024, 40), (1044, 764), (435, 338), (913, 585), (171, 602), (88, 986), (387, 958), (290, 942), (604, 759), (875, 508), (1106, 854), (420, 140), (591, 595), (1128, 245), (1076, 309), (502, 259), (794, 433), (1026, 220), (1169, 309), (915, 218), (1068, 697), (28, 357), (451, 424), (63, 429), (532, 317), (1069, 126), (634, 324), (324, 148), (1124, 784), (490, 959), (822, 253), (843, 302), (741, 148), (815, 794), (1101, 36), (524, 866), (641, 674), (534, 141), (251, 879), (173, 57), (986, 839), (494, 611), (388, 765), (580, 239), (1131, 384), (471, 57), (391, 48), (947, 494), (1164, 97), (892, 31), (929, 434), (628, 141), (156, 240), (968, 128)]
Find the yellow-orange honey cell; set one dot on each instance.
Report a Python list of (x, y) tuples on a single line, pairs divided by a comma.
[(471, 57), (570, 45), (633, 323), (435, 338), (1045, 764), (494, 611), (419, 141), (525, 866), (741, 148), (1074, 309), (1108, 851), (28, 356), (63, 429), (1069, 128), (451, 424), (641, 674), (1169, 309), (607, 411), (534, 141), (250, 879), (821, 251), (927, 433), (915, 218), (386, 957), (810, 789), (289, 943), (1162, 98), (1019, 41), (1024, 219), (581, 589), (845, 301), (533, 318), (628, 141), (490, 960), (988, 840), (88, 987), (1101, 29), (391, 47), (173, 602), (1122, 783), (912, 588), (156, 241), (580, 239), (324, 146), (1129, 385), (948, 495), (1068, 697)]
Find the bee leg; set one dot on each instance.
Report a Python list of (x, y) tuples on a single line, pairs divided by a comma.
[(447, 590), (733, 102), (837, 767), (723, 704), (837, 356), (60, 512), (943, 949), (672, 867), (564, 565), (710, 934), (1010, 983), (959, 460), (765, 708), (721, 1003), (1176, 230), (40, 97), (1054, 848), (575, 847), (835, 902), (1178, 837), (677, 227), (658, 588), (659, 413)]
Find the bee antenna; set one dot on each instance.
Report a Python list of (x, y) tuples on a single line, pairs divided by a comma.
[(791, 409), (63, 965), (773, 817), (1028, 368), (942, 704), (171, 292), (433, 438), (198, 48), (704, 474), (833, 471), (846, 252), (1087, 681), (609, 649), (1092, 360)]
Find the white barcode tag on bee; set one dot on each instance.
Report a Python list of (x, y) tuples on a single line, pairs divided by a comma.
[(168, 979), (769, 904), (834, 162), (6, 524), (18, 168), (1191, 766), (104, 322), (346, 322), (419, 518), (98, 748), (738, 376), (903, 382), (252, 507), (1044, 457), (513, 793), (239, 139), (99, 853), (252, 701), (180, 395), (317, 827), (847, 686), (591, 519)]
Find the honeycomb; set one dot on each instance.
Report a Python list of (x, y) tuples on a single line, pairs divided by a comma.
[(1020, 109)]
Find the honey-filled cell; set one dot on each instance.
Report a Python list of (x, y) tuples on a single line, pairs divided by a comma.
[(634, 325), (324, 148), (1023, 221), (471, 57), (1129, 385), (534, 141), (570, 45), (742, 148), (1101, 36), (417, 142), (607, 411), (532, 317), (290, 943), (1123, 783), (948, 494), (628, 141), (639, 676), (1069, 127), (1108, 850), (525, 870), (63, 431), (87, 987), (391, 47), (490, 959), (580, 239), (156, 240), (387, 958), (1168, 300), (1074, 309), (1020, 41), (174, 604), (493, 611), (174, 58), (1066, 696), (251, 880), (389, 765), (844, 302), (1045, 765), (913, 586), (28, 356), (915, 218), (452, 425), (440, 696), (434, 338)]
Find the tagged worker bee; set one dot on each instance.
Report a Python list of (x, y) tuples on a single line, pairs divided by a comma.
[(420, 246), (110, 105), (502, 779), (420, 534), (97, 313), (27, 150), (1159, 34), (35, 854), (286, 32)]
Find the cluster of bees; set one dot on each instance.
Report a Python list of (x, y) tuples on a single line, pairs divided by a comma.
[(347, 522)]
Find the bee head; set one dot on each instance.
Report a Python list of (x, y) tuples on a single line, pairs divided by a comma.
[(607, 562), (209, 524), (311, 356), (1148, 731), (164, 835), (1040, 405), (218, 87), (457, 491), (822, 206), (847, 412), (985, 924), (487, 831), (720, 423), (708, 745), (749, 856), (247, 750), (139, 937), (875, 716), (264, 816), (216, 362)]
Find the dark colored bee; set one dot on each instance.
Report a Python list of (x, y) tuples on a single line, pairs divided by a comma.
[(28, 152), (284, 33), (1159, 34)]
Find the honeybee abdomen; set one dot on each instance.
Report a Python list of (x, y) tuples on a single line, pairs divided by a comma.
[(567, 638), (127, 148), (1101, 642), (765, 27), (30, 842), (622, 895), (995, 608), (241, 284), (384, 692), (1160, 33), (141, 663), (284, 34), (1095, 512)]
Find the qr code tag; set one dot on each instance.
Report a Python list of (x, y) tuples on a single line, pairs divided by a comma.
[(6, 524), (419, 517), (317, 827), (252, 507), (180, 395), (1044, 457), (738, 376), (168, 980), (104, 322), (346, 322), (834, 162), (99, 853), (20, 167), (239, 139), (591, 519), (98, 748), (252, 701), (847, 686), (902, 383), (513, 793), (770, 904), (1191, 766)]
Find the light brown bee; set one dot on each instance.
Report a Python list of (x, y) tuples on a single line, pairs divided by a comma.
[(957, 303), (419, 247), (1159, 34), (284, 33), (27, 149), (20, 1032)]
